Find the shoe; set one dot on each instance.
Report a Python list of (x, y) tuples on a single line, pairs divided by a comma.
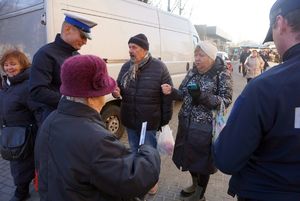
[(195, 196), (15, 198), (190, 189), (153, 190)]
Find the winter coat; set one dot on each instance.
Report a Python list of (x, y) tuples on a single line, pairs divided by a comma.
[(45, 80), (79, 160), (260, 143), (143, 99), (16, 109), (194, 136), (254, 66)]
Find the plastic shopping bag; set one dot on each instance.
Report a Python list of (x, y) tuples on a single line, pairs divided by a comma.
[(219, 121), (165, 141)]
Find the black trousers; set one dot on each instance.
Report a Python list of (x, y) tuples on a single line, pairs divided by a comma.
[(22, 172), (202, 181)]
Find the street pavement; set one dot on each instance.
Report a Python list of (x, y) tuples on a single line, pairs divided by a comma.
[(171, 180)]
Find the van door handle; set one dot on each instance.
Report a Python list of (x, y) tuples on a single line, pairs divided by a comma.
[(43, 19)]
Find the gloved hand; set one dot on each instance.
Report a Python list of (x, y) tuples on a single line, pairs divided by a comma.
[(194, 91)]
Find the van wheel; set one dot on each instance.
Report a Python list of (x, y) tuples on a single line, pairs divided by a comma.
[(111, 117)]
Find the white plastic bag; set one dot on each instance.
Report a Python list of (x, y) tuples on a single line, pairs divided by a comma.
[(219, 121), (165, 141)]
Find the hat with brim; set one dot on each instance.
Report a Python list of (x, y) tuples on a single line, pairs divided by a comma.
[(269, 36), (280, 7), (87, 35), (85, 76), (80, 22)]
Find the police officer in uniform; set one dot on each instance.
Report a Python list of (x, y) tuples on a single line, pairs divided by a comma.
[(45, 80), (260, 143)]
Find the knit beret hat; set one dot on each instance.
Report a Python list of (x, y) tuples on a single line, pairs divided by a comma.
[(85, 76), (207, 47), (140, 40)]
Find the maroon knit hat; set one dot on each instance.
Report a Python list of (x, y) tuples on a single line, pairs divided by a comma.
[(85, 76)]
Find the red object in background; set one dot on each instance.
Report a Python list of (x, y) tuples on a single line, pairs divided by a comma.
[(229, 65), (225, 58)]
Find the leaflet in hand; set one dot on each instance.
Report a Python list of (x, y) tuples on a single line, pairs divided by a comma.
[(143, 133)]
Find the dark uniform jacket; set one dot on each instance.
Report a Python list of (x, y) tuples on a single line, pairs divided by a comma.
[(79, 160), (260, 143), (16, 109), (143, 99), (45, 80), (192, 149)]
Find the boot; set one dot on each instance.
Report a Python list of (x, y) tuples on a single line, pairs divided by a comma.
[(21, 193), (190, 189), (196, 195)]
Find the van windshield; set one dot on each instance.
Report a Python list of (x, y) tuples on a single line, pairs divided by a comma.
[(10, 6)]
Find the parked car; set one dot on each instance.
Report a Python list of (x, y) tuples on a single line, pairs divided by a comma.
[(224, 56)]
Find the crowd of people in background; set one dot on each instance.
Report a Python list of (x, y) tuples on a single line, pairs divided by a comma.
[(58, 99)]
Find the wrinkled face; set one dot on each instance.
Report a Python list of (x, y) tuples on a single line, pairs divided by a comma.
[(12, 66), (75, 37), (136, 53), (202, 61)]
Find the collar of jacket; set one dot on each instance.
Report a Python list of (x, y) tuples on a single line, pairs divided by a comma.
[(79, 110), (22, 76), (59, 41), (290, 53)]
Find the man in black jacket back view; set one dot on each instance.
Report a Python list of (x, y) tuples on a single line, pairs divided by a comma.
[(139, 85)]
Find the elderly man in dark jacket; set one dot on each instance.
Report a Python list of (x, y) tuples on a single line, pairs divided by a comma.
[(139, 84), (78, 159), (44, 79)]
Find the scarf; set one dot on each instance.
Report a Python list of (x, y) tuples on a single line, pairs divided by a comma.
[(131, 74)]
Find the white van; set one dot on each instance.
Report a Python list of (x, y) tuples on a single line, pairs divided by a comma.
[(30, 24)]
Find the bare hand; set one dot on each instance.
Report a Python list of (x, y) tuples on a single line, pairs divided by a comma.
[(166, 89), (116, 93)]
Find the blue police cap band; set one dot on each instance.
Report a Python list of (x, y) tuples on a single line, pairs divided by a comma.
[(78, 24)]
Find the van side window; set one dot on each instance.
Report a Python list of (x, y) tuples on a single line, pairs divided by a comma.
[(9, 6)]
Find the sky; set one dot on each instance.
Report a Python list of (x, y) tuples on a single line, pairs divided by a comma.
[(242, 20)]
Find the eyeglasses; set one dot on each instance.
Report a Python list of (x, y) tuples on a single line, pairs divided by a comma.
[(81, 33)]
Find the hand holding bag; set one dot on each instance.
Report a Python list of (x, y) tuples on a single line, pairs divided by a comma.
[(16, 143), (165, 141)]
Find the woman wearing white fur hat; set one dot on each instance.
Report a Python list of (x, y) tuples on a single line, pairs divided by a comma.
[(202, 91)]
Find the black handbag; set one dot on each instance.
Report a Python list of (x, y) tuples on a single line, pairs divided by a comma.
[(16, 143)]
